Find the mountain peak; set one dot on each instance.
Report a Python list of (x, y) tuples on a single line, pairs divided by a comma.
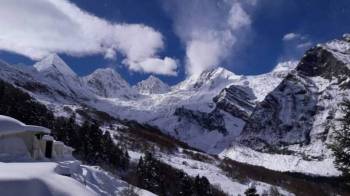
[(106, 71), (152, 85), (53, 62), (218, 72), (108, 75), (217, 77), (152, 77), (106, 82), (346, 37), (328, 60)]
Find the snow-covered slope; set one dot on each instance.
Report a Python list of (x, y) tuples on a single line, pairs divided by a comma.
[(152, 85), (108, 83)]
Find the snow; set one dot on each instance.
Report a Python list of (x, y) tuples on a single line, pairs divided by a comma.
[(285, 67), (104, 183), (210, 170), (214, 174), (283, 163), (67, 178), (10, 125), (340, 49), (33, 179), (21, 175)]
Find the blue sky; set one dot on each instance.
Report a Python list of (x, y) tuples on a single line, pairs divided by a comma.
[(271, 31)]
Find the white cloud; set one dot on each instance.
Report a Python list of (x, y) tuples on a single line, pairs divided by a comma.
[(209, 29), (305, 45), (238, 18), (165, 66), (36, 28), (291, 36), (295, 45)]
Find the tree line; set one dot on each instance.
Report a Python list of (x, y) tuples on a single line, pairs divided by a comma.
[(91, 145)]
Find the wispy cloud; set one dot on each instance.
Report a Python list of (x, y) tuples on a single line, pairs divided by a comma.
[(210, 30), (36, 28), (295, 45), (305, 45), (291, 36)]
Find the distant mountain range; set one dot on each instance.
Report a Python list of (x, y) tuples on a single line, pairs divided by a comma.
[(286, 115)]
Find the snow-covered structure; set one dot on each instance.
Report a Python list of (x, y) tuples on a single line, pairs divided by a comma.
[(28, 142)]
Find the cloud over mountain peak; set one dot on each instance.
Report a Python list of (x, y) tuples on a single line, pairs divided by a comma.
[(58, 26)]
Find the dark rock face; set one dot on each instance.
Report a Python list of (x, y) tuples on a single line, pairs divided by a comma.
[(320, 62), (210, 121), (289, 113), (284, 118), (237, 101)]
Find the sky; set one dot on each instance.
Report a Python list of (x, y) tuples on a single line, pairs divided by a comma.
[(172, 39)]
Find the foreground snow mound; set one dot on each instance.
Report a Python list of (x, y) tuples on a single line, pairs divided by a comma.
[(38, 179), (60, 179)]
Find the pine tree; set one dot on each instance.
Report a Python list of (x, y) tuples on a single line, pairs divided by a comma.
[(202, 186), (341, 145), (185, 185), (251, 191)]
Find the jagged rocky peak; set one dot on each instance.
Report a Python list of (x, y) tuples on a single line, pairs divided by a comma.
[(53, 63), (152, 85), (108, 83), (328, 60)]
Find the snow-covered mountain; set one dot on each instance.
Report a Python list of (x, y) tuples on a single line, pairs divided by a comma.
[(59, 74), (152, 85), (199, 108), (211, 79), (302, 109), (108, 83)]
